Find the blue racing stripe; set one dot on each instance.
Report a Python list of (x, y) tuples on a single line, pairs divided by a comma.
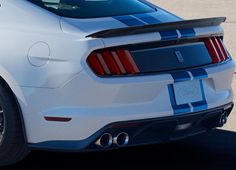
[(201, 105), (199, 73), (187, 33), (171, 94), (129, 20), (180, 76), (147, 18), (169, 35), (178, 109)]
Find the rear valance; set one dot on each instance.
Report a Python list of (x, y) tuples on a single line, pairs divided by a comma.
[(185, 24)]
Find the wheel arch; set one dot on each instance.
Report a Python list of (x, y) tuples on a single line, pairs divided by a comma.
[(16, 94)]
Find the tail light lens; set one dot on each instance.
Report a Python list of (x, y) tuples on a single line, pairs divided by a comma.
[(112, 62), (119, 61), (216, 49)]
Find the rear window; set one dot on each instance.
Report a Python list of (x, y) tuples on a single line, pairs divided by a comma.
[(93, 8)]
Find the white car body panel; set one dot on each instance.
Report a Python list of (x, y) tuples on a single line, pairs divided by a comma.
[(123, 100), (51, 81)]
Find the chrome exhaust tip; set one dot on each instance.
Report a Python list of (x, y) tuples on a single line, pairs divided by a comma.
[(223, 120), (121, 139), (105, 141)]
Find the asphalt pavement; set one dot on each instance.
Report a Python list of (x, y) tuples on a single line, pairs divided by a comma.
[(213, 151)]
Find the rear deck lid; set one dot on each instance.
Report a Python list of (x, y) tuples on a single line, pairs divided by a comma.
[(92, 25)]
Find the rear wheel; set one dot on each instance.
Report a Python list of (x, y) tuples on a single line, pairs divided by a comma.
[(13, 146)]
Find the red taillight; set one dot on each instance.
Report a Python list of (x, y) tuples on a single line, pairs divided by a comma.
[(95, 64), (119, 61), (226, 55), (127, 61), (216, 49), (112, 62)]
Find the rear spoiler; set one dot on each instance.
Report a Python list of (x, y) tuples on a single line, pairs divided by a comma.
[(185, 24)]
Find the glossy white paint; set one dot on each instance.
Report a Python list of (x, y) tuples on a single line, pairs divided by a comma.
[(39, 54), (43, 59), (93, 102)]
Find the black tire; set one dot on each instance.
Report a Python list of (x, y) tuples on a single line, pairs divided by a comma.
[(13, 147)]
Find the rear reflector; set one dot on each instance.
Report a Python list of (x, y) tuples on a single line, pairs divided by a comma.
[(216, 49), (112, 62), (57, 119)]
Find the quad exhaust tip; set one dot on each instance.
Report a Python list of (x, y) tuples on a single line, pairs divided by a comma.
[(121, 139), (105, 141)]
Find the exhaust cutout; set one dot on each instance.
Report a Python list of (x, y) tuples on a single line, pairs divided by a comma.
[(121, 139)]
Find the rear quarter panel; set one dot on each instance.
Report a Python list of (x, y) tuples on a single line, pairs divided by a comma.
[(28, 25)]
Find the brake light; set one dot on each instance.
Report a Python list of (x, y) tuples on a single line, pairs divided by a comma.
[(112, 62), (216, 49)]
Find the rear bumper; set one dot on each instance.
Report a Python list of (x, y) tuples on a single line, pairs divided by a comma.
[(150, 131), (92, 102)]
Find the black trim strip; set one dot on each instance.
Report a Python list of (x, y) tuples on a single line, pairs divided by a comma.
[(185, 24)]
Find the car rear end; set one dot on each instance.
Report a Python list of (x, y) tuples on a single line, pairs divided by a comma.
[(150, 82), (184, 80)]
